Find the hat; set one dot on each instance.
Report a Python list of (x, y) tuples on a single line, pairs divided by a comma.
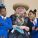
[(2, 6), (20, 5)]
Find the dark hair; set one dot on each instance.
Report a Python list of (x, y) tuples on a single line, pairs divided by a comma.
[(2, 7), (34, 12)]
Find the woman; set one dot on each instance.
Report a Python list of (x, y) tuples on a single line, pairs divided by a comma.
[(21, 28), (33, 23)]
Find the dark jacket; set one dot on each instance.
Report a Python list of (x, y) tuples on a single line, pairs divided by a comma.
[(33, 33), (17, 34)]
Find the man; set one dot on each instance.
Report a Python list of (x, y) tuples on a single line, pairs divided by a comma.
[(20, 9), (5, 22)]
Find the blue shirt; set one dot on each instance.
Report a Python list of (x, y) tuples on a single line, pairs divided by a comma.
[(5, 25)]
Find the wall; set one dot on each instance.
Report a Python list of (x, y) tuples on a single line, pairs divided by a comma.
[(33, 4)]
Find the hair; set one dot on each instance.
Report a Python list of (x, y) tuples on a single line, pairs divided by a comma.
[(2, 7), (34, 12)]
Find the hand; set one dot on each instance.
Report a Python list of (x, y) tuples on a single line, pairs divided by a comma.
[(36, 29), (33, 28), (25, 27), (14, 26), (22, 27)]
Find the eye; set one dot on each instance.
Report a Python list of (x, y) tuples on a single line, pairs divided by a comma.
[(18, 8)]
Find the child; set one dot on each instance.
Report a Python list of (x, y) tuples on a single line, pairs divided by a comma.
[(33, 23), (5, 22)]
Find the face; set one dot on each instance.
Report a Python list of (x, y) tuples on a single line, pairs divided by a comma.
[(3, 12), (20, 10), (31, 15)]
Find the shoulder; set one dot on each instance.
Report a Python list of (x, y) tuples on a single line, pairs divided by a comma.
[(8, 18), (13, 15), (37, 19)]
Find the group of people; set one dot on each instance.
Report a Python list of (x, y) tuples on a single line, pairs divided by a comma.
[(18, 25)]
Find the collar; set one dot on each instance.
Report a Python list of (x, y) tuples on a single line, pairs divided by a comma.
[(35, 21), (3, 17)]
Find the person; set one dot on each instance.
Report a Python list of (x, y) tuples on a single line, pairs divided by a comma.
[(20, 9), (5, 22), (33, 23)]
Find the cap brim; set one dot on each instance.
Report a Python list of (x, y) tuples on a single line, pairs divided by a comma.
[(20, 5)]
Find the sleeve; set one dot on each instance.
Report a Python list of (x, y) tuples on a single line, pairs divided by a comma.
[(29, 24)]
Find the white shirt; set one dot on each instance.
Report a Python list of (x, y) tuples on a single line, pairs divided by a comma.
[(3, 17), (35, 21)]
